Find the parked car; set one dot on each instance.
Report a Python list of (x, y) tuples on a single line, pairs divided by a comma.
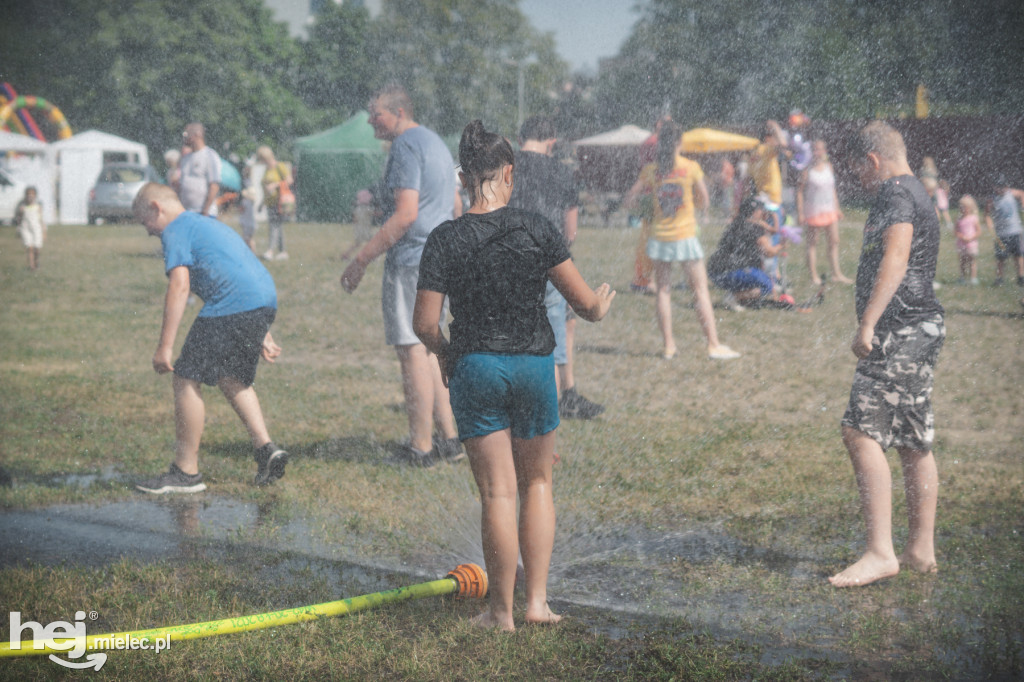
[(115, 190), (12, 191)]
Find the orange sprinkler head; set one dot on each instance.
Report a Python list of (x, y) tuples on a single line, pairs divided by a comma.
[(471, 579)]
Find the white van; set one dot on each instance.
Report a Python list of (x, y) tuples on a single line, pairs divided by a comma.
[(12, 191)]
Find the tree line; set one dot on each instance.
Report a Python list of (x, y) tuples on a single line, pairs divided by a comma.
[(142, 69)]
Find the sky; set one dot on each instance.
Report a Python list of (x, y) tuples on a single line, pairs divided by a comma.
[(585, 30)]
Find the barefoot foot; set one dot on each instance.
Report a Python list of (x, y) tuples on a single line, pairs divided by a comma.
[(842, 279), (488, 620), (867, 570), (543, 615), (918, 563)]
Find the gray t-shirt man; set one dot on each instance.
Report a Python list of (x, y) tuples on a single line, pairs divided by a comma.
[(419, 160), (198, 170)]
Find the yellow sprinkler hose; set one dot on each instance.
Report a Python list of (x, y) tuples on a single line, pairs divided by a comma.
[(466, 581)]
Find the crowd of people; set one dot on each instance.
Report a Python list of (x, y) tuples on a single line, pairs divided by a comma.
[(493, 390)]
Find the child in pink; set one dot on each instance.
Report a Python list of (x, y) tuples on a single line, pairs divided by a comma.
[(968, 229)]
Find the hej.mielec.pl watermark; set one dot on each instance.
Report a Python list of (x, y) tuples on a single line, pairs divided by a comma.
[(73, 640)]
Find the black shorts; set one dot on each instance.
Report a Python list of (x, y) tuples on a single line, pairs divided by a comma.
[(1008, 247), (228, 346), (891, 397)]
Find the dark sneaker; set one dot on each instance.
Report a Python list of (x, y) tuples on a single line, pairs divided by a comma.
[(411, 456), (270, 462), (574, 406), (1020, 281), (174, 481), (448, 449)]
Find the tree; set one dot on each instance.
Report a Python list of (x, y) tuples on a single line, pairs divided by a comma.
[(144, 68)]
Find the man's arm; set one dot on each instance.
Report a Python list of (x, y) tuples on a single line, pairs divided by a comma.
[(407, 206), (211, 196), (174, 309), (891, 271)]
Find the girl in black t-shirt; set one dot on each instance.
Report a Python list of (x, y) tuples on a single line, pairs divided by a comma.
[(493, 263)]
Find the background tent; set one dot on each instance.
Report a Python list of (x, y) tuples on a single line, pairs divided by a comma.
[(332, 166), (80, 159), (28, 160), (610, 161)]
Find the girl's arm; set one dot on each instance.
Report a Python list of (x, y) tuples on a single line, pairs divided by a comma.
[(590, 305), (426, 322)]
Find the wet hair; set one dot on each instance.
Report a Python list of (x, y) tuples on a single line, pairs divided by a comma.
[(879, 138), (482, 155), (537, 128), (394, 97), (668, 139)]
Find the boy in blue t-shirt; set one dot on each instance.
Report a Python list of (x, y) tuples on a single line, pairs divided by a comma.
[(224, 345)]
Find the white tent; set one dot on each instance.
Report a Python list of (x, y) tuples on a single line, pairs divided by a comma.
[(627, 136), (28, 160), (80, 159)]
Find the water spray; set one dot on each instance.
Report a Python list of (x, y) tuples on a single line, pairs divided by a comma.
[(466, 581)]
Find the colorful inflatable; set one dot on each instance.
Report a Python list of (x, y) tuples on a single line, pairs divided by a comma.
[(53, 114), (25, 124)]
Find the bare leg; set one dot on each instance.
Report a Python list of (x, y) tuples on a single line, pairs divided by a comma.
[(189, 415), (833, 255), (247, 406), (663, 305), (490, 458), (811, 241), (874, 481), (697, 279), (1020, 266), (974, 267), (533, 461), (418, 387), (921, 482)]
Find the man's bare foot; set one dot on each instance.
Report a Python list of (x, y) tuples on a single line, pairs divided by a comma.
[(867, 570), (919, 564), (544, 616), (488, 620)]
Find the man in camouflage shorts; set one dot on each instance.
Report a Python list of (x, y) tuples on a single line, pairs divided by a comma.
[(899, 334)]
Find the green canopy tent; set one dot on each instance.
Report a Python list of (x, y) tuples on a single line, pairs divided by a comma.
[(332, 166)]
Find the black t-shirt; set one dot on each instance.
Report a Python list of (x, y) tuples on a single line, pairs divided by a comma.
[(543, 185), (737, 249), (902, 199), (493, 267)]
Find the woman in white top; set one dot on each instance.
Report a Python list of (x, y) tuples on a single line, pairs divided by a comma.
[(817, 207)]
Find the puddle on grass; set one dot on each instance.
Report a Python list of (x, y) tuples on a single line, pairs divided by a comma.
[(638, 574)]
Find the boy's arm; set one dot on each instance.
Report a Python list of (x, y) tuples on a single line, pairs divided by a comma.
[(891, 271), (174, 309)]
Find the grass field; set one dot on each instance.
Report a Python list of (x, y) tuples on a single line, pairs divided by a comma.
[(698, 517)]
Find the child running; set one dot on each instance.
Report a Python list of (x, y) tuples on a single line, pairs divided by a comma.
[(224, 345), (968, 229), (28, 216), (900, 333)]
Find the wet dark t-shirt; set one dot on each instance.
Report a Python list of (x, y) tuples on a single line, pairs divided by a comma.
[(493, 267), (737, 250), (902, 199), (544, 185)]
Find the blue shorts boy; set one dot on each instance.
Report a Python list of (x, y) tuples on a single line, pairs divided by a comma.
[(495, 392), (225, 346), (743, 280)]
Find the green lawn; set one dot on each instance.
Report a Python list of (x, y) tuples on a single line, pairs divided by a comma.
[(698, 517)]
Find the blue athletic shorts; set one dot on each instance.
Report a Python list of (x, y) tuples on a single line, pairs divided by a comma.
[(495, 392), (557, 306)]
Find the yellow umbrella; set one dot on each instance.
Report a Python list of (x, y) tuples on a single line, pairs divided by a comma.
[(710, 141)]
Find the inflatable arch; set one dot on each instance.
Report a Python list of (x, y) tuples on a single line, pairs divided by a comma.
[(53, 114)]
